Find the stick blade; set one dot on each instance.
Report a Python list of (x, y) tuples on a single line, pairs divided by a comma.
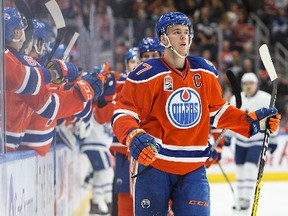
[(236, 89), (267, 61), (56, 13)]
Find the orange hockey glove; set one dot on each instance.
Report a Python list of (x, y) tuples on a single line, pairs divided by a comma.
[(258, 119), (142, 146)]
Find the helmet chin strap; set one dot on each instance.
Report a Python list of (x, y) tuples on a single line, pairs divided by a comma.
[(169, 45), (41, 51), (22, 38)]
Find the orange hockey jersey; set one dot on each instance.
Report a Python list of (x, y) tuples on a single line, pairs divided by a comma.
[(19, 78), (116, 146), (39, 134), (177, 109), (29, 97)]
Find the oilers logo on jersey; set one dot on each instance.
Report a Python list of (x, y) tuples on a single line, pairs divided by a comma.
[(183, 108)]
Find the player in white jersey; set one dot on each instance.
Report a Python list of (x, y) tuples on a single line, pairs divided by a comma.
[(247, 150), (98, 139)]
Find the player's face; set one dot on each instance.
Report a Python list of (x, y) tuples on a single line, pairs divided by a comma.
[(249, 88), (149, 55), (132, 64), (19, 35), (179, 38)]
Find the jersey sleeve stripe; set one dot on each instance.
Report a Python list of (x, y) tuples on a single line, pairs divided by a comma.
[(85, 112), (215, 116), (50, 108), (122, 112), (31, 83)]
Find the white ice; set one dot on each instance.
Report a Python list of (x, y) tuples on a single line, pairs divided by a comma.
[(273, 199)]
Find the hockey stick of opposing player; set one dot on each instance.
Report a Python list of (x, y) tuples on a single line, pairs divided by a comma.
[(269, 66), (59, 21)]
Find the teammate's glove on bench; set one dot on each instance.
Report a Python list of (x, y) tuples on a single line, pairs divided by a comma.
[(142, 146), (90, 87), (258, 119), (109, 90), (67, 70)]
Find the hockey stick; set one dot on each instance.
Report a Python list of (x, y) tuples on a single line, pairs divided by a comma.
[(59, 21), (24, 9), (236, 90), (70, 46), (66, 54), (228, 181), (269, 66)]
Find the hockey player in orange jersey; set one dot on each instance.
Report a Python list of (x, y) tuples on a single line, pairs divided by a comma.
[(39, 135), (41, 102), (164, 115), (123, 203), (148, 48)]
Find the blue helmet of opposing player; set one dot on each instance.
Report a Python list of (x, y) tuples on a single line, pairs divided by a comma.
[(131, 54), (172, 18), (149, 44), (13, 20)]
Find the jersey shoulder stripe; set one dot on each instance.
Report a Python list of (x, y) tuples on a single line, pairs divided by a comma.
[(148, 70), (199, 63)]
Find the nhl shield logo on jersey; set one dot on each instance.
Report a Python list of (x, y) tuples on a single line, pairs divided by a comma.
[(168, 83), (183, 108)]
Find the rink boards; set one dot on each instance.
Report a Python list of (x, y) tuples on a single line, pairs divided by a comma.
[(27, 183)]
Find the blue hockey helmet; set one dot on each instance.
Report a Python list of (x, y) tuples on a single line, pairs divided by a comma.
[(59, 53), (40, 30), (131, 53), (40, 37), (13, 20), (149, 44), (172, 18), (97, 69)]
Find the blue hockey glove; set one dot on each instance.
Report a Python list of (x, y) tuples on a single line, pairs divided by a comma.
[(142, 146), (109, 90), (272, 147), (259, 117), (63, 69), (227, 141), (215, 156)]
